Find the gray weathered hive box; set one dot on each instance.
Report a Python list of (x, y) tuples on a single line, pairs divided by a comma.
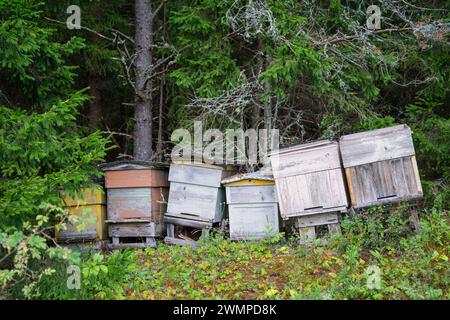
[(196, 192), (252, 206), (136, 197), (309, 179), (380, 166)]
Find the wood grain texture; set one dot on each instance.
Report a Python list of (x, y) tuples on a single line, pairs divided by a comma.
[(136, 178), (311, 193), (127, 203), (317, 220), (384, 182), (196, 175), (376, 145), (132, 230), (252, 222), (251, 194), (300, 160), (202, 201), (181, 242)]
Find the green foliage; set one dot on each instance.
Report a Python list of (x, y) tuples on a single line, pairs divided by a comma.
[(102, 277), (412, 266), (42, 156), (30, 61), (205, 65)]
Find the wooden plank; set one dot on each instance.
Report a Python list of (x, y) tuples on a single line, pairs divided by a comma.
[(417, 176), (307, 234), (334, 228), (187, 222), (170, 230), (317, 220), (181, 242), (322, 191), (129, 203), (75, 235), (117, 246), (129, 221), (160, 197), (378, 145), (300, 161), (135, 230), (349, 174), (253, 221), (383, 182), (250, 182), (251, 194), (195, 175), (142, 178), (196, 200)]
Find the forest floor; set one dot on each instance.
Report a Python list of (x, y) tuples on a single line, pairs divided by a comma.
[(408, 266)]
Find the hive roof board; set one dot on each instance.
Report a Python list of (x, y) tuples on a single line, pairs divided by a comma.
[(259, 176), (376, 145), (131, 165)]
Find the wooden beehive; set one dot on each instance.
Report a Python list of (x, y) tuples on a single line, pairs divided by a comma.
[(252, 206), (136, 197), (380, 166), (91, 208), (309, 179), (195, 193)]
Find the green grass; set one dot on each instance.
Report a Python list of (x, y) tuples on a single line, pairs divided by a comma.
[(413, 266)]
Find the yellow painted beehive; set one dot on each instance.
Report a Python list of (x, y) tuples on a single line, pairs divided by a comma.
[(91, 208)]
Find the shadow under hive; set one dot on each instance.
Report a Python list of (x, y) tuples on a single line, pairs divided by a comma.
[(136, 197), (380, 166), (310, 185)]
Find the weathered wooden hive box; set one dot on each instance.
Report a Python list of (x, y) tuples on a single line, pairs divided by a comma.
[(136, 197), (91, 208), (195, 194), (380, 166), (309, 179), (252, 206)]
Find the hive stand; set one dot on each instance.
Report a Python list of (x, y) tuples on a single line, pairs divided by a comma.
[(136, 195), (196, 199), (179, 239), (307, 225)]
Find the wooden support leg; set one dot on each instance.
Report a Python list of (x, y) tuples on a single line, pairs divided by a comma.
[(170, 230), (205, 234), (334, 228), (150, 242), (115, 241), (307, 234), (414, 218)]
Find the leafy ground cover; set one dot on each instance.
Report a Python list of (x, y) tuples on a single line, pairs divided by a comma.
[(412, 266)]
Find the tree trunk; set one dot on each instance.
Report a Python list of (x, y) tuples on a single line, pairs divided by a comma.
[(143, 109), (95, 105), (159, 144)]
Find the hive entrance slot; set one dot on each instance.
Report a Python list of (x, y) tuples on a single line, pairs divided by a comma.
[(387, 197), (314, 208)]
